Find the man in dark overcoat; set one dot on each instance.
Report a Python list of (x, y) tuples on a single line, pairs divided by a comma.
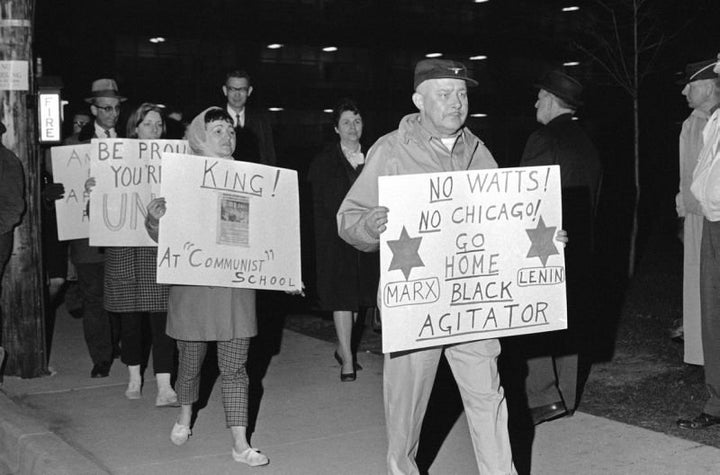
[(552, 358)]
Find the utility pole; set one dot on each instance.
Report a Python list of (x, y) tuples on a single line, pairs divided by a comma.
[(21, 305)]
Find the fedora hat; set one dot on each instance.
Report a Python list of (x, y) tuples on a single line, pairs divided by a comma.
[(440, 69), (563, 86), (104, 88), (698, 71)]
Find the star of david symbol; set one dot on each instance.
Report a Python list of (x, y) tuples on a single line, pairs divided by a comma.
[(543, 241), (405, 253)]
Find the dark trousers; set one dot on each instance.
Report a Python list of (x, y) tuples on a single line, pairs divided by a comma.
[(133, 339), (710, 312), (96, 322), (6, 245)]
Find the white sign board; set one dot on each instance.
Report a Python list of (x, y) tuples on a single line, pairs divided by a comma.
[(471, 255), (229, 224), (14, 76), (127, 177), (71, 167)]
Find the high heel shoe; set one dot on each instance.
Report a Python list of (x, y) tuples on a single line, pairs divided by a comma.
[(339, 359), (348, 377)]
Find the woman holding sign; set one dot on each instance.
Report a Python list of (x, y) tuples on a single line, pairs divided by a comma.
[(347, 279), (131, 291), (197, 315)]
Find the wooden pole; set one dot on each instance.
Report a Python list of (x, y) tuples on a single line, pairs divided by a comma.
[(22, 306)]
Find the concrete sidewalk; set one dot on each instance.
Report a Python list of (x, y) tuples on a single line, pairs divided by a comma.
[(309, 423)]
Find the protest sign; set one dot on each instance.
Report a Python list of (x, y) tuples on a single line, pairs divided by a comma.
[(127, 177), (71, 167), (471, 255), (229, 224)]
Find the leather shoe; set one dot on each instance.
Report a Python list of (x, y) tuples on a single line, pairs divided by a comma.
[(702, 421), (548, 412), (100, 370)]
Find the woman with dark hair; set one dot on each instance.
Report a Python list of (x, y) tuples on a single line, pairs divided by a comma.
[(131, 291), (200, 314), (346, 278)]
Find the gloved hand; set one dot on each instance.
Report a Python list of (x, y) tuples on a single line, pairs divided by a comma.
[(53, 191)]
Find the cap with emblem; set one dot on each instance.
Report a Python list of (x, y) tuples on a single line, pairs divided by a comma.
[(441, 69)]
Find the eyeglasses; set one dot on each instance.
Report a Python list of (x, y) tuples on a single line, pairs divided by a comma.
[(109, 109), (80, 123), (238, 89)]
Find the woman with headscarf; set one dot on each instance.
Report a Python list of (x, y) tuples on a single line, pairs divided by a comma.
[(347, 279), (131, 292), (199, 314)]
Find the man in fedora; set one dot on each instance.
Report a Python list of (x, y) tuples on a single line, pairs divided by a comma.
[(705, 187), (101, 333), (552, 358), (702, 91), (434, 139)]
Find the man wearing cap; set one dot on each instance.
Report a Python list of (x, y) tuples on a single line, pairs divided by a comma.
[(12, 206), (705, 187), (101, 334), (552, 358), (703, 95), (433, 140), (252, 129)]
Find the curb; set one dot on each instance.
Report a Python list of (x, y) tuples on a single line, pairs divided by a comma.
[(28, 447)]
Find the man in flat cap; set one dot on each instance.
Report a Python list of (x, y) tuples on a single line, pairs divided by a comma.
[(100, 336), (432, 140), (705, 187), (12, 206), (701, 88), (552, 358)]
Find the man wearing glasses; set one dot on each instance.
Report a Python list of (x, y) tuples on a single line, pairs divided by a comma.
[(253, 133), (100, 336)]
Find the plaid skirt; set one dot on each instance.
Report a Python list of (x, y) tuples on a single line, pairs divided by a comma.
[(130, 281)]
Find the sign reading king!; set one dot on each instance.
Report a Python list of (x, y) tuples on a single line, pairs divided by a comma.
[(229, 224), (471, 255)]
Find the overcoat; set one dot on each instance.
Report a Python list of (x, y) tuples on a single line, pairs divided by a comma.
[(346, 279)]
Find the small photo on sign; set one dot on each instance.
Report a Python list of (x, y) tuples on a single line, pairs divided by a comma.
[(234, 220)]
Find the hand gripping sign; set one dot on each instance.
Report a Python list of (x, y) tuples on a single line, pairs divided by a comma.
[(471, 255)]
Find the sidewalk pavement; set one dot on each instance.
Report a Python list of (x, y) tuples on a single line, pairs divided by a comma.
[(308, 423)]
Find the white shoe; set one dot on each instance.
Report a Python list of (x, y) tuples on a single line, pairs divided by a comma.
[(166, 398), (133, 391), (179, 434), (250, 457)]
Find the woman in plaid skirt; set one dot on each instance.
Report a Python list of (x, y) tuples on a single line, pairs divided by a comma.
[(198, 314), (131, 291)]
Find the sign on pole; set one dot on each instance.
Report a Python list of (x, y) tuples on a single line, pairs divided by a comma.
[(127, 176), (471, 255), (229, 224), (71, 167)]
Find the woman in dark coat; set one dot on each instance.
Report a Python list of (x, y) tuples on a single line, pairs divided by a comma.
[(347, 279)]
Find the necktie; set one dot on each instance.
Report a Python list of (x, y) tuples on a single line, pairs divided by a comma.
[(237, 120), (107, 133)]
